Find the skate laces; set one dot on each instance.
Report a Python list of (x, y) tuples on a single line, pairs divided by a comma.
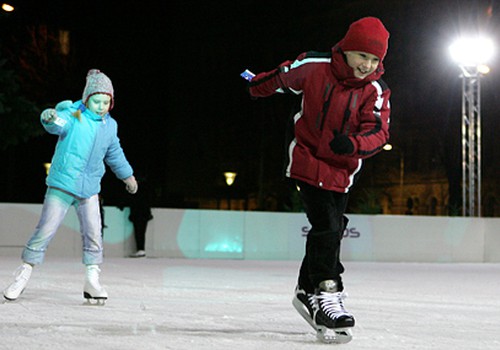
[(310, 298), (21, 276), (92, 277), (332, 304), (23, 272)]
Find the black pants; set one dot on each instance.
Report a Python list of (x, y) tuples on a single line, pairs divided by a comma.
[(325, 212), (140, 233)]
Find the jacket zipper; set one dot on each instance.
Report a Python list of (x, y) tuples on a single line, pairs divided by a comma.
[(326, 105), (347, 115)]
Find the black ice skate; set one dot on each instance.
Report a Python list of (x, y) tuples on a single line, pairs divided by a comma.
[(92, 290), (304, 303), (307, 304), (333, 322)]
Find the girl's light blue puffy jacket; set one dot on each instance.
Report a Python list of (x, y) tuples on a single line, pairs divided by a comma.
[(83, 147)]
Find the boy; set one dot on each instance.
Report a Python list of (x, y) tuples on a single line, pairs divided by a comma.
[(343, 119)]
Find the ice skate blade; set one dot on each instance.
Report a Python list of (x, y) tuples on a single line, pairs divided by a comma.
[(13, 299), (8, 300), (94, 302), (334, 336), (90, 300), (302, 310)]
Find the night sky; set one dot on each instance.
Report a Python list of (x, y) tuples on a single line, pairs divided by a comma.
[(183, 113)]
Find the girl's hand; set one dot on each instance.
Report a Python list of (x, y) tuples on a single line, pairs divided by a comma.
[(49, 115), (131, 184)]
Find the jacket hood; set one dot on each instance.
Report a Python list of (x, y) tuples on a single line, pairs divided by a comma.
[(345, 74)]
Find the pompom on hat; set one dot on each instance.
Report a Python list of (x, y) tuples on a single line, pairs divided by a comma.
[(97, 83), (367, 35)]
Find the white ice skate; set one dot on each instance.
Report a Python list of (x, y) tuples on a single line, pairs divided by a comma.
[(312, 308), (22, 276), (92, 290)]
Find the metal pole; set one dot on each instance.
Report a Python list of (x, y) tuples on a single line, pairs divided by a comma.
[(401, 179), (464, 145), (471, 142), (478, 146)]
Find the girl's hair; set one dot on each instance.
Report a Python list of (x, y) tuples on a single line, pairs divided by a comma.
[(78, 113)]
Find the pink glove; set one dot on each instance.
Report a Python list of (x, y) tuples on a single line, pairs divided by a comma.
[(49, 115), (131, 184)]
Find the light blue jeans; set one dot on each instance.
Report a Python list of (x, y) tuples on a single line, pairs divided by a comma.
[(55, 207)]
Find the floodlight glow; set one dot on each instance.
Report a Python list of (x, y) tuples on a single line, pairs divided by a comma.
[(483, 69), (7, 7), (472, 51)]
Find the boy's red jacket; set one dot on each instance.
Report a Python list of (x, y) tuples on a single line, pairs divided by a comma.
[(332, 99)]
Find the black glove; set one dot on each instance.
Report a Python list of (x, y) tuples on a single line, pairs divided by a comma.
[(341, 144)]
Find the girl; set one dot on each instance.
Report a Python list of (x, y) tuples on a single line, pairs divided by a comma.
[(87, 139)]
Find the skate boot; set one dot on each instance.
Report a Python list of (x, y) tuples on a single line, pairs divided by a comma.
[(92, 290), (334, 323), (304, 303), (138, 254), (22, 276)]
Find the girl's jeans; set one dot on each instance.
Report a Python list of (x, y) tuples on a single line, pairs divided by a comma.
[(55, 207)]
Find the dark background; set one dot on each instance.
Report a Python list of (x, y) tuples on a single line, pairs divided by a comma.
[(183, 113)]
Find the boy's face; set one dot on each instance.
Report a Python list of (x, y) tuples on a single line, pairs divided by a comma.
[(362, 63), (99, 104)]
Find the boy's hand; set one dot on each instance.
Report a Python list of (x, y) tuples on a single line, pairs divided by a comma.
[(341, 144), (49, 115), (131, 184)]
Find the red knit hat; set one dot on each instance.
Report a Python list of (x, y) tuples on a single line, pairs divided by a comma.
[(367, 35), (97, 83)]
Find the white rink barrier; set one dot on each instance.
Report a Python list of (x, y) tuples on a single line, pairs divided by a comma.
[(200, 234)]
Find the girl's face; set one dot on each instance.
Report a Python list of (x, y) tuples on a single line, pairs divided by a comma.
[(362, 63), (99, 104)]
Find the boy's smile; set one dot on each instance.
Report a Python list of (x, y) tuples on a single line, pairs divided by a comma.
[(362, 63)]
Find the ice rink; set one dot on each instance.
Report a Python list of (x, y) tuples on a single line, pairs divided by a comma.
[(242, 304)]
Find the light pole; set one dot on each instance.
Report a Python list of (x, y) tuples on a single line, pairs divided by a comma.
[(471, 55), (230, 177), (389, 147)]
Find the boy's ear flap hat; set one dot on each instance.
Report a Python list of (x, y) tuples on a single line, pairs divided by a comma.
[(367, 35), (97, 83)]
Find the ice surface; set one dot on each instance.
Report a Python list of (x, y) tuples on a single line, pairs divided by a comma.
[(242, 304)]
